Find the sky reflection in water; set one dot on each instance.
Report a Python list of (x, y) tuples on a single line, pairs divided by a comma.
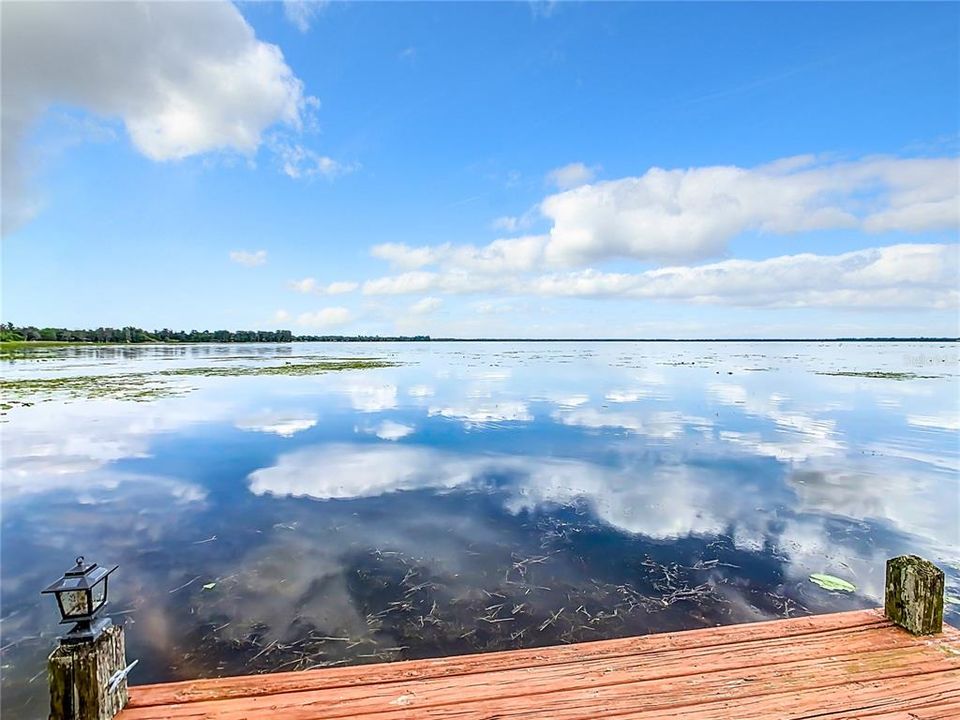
[(478, 497)]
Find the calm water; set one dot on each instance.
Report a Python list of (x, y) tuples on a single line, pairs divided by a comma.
[(477, 497)]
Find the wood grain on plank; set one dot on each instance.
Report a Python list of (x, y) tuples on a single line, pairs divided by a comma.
[(246, 686), (596, 691), (942, 709)]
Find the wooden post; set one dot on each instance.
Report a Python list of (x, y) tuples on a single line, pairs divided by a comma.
[(80, 674), (914, 595)]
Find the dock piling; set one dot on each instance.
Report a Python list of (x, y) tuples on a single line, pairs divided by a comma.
[(80, 678), (913, 597)]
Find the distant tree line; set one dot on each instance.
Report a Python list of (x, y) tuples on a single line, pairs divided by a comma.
[(361, 338), (29, 333)]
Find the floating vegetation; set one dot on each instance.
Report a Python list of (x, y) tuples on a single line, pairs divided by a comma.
[(11, 404), (879, 374), (137, 387), (831, 582), (309, 368), (147, 386)]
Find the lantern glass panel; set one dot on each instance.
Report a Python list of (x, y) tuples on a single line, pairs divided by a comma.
[(74, 603), (99, 594)]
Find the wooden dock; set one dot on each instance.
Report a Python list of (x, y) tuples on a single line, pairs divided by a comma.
[(842, 665)]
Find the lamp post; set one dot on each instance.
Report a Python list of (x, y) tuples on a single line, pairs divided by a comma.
[(87, 671), (81, 594)]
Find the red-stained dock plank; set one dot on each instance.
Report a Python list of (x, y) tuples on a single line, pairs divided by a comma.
[(844, 665)]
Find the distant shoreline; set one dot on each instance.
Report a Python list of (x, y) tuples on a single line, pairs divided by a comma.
[(17, 344)]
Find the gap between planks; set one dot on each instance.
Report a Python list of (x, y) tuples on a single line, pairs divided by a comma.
[(759, 633), (896, 656)]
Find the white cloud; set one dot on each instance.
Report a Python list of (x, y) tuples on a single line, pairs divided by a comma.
[(281, 316), (340, 288), (426, 306), (899, 276), (569, 401), (403, 256), (184, 78), (948, 420), (571, 176), (627, 396), (406, 283), (390, 430), (326, 317), (691, 214), (479, 413), (505, 255), (282, 424), (248, 258), (421, 391), (66, 447), (507, 223), (794, 437), (370, 397), (300, 162), (672, 501), (894, 276), (661, 424), (307, 285), (310, 285), (302, 12)]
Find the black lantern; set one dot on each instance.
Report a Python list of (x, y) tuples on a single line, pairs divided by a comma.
[(81, 594)]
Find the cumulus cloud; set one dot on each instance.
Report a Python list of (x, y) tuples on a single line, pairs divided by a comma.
[(183, 78), (426, 306), (405, 257), (671, 501), (325, 317), (571, 176), (370, 397), (686, 215), (793, 436), (389, 430), (690, 214), (894, 276), (908, 275), (277, 423), (310, 285), (474, 413), (248, 258)]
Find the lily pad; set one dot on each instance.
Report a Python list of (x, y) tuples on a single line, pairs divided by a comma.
[(209, 586), (830, 582)]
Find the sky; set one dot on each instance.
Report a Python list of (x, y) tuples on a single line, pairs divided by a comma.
[(483, 169)]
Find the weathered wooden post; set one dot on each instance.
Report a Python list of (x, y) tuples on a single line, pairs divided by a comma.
[(913, 597), (87, 673), (81, 677)]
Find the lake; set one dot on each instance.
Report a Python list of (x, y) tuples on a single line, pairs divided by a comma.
[(472, 497)]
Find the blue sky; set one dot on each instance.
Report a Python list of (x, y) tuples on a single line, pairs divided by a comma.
[(553, 170)]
